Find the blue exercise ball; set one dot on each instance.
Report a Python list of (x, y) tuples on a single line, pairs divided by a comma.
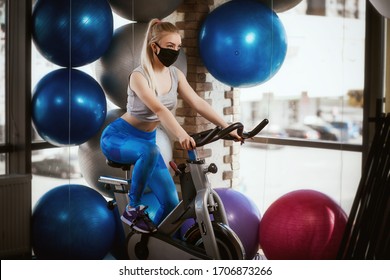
[(242, 43), (72, 222), (72, 33), (118, 249), (68, 107)]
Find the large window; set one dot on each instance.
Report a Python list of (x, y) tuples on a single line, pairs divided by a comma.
[(315, 107)]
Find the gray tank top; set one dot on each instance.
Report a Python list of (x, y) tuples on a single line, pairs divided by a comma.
[(138, 109)]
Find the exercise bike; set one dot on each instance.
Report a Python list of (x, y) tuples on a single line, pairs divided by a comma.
[(210, 237)]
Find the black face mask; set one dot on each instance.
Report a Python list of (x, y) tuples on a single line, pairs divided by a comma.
[(167, 56)]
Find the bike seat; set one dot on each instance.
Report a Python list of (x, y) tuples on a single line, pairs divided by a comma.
[(123, 166)]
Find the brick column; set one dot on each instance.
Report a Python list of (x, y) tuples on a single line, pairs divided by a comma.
[(225, 100)]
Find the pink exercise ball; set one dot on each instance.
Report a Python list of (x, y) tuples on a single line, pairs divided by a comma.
[(302, 225)]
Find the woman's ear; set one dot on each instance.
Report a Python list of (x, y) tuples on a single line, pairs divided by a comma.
[(154, 47)]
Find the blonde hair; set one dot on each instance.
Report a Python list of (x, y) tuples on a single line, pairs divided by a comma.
[(155, 32)]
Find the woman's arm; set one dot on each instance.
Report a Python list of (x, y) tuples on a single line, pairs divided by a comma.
[(198, 103), (201, 105), (140, 86)]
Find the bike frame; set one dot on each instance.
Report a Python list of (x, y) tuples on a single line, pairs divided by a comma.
[(199, 201)]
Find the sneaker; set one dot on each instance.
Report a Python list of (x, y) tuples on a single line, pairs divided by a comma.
[(138, 219)]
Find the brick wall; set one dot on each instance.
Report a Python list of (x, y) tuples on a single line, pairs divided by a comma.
[(225, 100)]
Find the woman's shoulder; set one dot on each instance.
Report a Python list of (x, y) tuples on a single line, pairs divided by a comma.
[(176, 71), (139, 69), (138, 73)]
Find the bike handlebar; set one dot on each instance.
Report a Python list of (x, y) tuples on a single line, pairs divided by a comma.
[(212, 135)]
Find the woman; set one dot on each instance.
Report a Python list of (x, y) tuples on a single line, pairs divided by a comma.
[(152, 94)]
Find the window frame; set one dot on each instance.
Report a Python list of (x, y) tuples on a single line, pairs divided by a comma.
[(17, 144)]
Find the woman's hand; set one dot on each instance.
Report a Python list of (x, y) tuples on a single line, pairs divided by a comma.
[(187, 142), (237, 138)]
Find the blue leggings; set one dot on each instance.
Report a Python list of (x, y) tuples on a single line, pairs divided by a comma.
[(123, 143)]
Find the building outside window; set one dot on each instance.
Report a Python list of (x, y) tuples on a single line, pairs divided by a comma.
[(316, 97)]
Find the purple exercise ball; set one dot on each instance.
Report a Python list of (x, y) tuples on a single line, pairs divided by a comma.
[(243, 217)]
